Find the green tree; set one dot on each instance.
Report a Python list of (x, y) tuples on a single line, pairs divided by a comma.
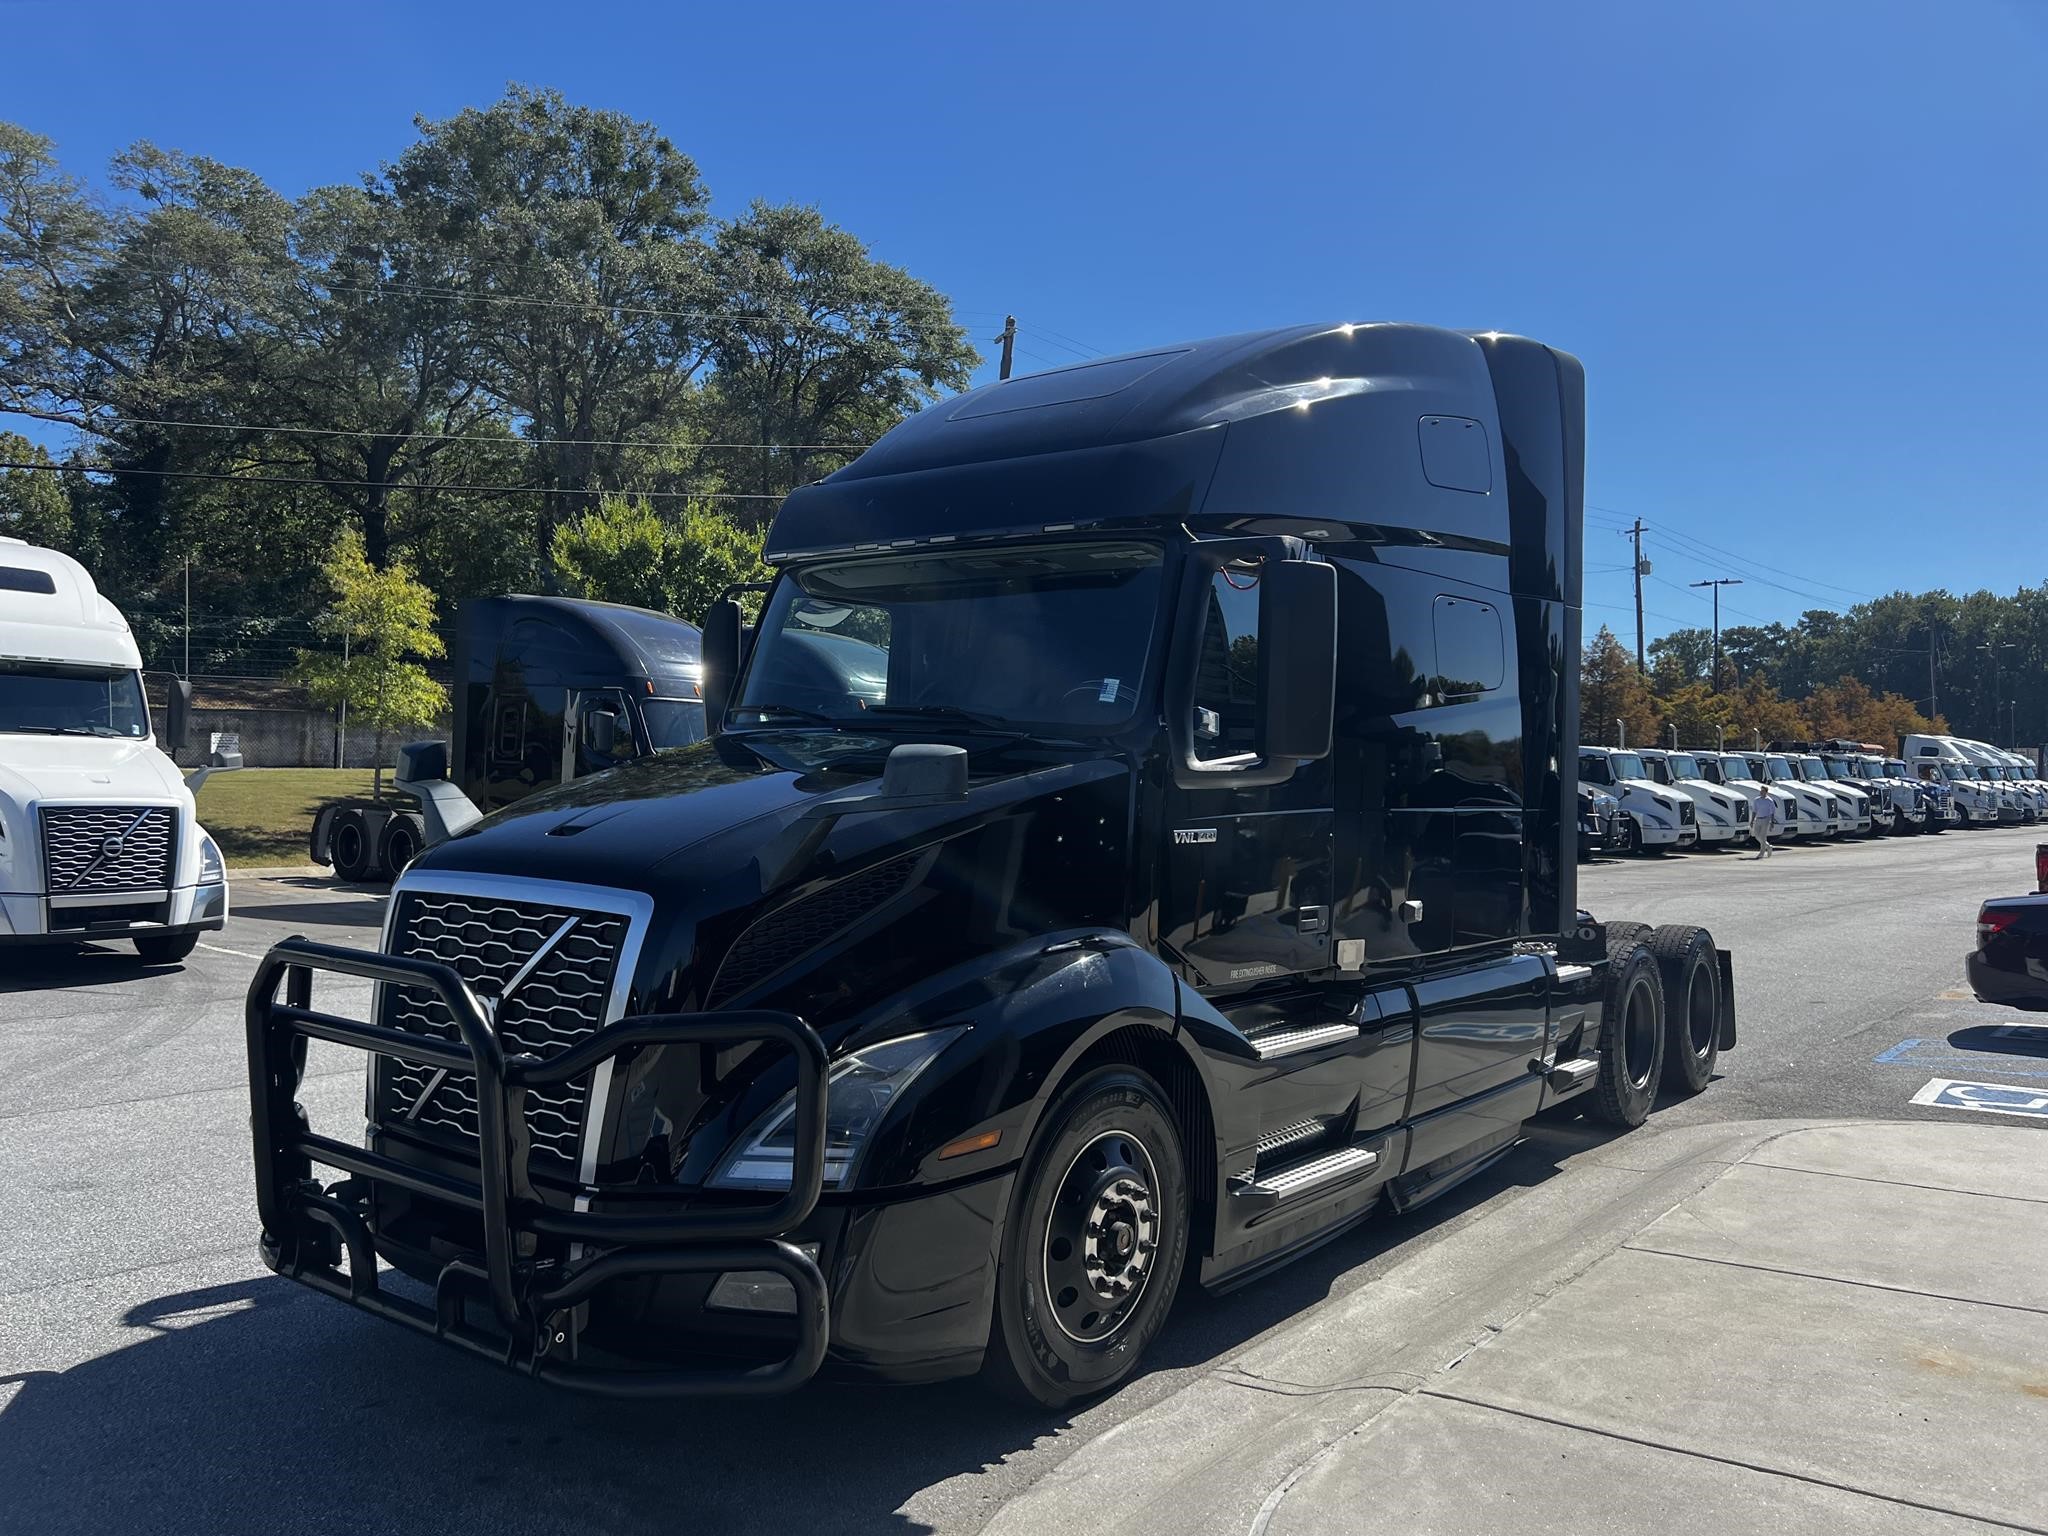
[(33, 505), (623, 551), (386, 620), (583, 271), (1681, 656), (825, 345), (1611, 689)]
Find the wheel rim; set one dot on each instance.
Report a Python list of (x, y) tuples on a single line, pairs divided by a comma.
[(1102, 1237), (403, 850), (1639, 1035), (348, 847), (1702, 1009)]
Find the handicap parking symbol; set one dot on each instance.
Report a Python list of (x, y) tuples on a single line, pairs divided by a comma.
[(1986, 1098)]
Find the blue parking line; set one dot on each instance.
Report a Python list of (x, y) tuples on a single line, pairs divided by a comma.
[(1902, 1055)]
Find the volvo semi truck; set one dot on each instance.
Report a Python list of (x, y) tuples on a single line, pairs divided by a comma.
[(1721, 814), (1137, 843), (1662, 817), (98, 838)]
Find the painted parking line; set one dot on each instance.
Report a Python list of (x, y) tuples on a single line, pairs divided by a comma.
[(1935, 1056), (1984, 1098)]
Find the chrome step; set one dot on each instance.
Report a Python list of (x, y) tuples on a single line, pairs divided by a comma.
[(1291, 1042), (1576, 1073), (1312, 1173), (1287, 1136)]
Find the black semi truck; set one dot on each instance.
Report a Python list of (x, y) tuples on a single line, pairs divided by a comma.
[(1137, 842), (547, 690)]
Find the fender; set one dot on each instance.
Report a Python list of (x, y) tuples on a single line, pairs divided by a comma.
[(1036, 1009)]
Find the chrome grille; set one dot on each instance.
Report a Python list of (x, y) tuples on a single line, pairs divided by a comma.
[(554, 1001), (107, 847), (1685, 813), (1741, 811)]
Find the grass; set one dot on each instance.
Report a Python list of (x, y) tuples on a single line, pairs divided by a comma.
[(265, 815)]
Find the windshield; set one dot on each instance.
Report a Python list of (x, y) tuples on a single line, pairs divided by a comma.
[(1811, 769), (1895, 768), (70, 701), (1054, 635), (1627, 765), (1778, 770), (1682, 766), (673, 722), (1841, 768)]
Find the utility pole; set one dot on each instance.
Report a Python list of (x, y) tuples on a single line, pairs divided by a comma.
[(1009, 340), (1641, 569), (1933, 705), (1997, 681), (1717, 584), (187, 673)]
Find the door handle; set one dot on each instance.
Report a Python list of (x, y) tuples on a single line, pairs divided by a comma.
[(1311, 919)]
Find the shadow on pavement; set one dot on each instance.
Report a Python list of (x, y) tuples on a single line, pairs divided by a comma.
[(1990, 1037), (334, 914), (48, 967), (257, 1406)]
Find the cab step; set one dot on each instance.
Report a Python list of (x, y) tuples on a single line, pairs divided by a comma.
[(1293, 1042), (1311, 1173), (1288, 1135), (1570, 1076)]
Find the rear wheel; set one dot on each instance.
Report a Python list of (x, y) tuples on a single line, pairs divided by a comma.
[(404, 835), (349, 845), (1691, 974), (1631, 1036), (1619, 934), (1094, 1245)]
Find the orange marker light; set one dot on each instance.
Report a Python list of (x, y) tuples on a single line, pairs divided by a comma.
[(967, 1144)]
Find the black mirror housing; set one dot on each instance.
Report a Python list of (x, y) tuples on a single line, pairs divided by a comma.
[(724, 648), (178, 716), (601, 730), (422, 762), (926, 772), (1297, 660)]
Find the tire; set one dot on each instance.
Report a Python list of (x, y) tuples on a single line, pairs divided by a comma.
[(165, 948), (349, 846), (1631, 1037), (1107, 1144), (1619, 934), (405, 834), (1691, 973)]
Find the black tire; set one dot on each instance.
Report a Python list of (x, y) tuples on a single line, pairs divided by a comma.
[(349, 846), (1619, 934), (1692, 1002), (1631, 1037), (165, 948), (404, 836), (1107, 1143)]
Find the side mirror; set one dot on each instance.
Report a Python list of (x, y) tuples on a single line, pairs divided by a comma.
[(422, 762), (724, 649), (601, 730), (423, 774), (1297, 659), (178, 716), (927, 772)]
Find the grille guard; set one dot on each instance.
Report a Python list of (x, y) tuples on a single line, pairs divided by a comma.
[(308, 1229)]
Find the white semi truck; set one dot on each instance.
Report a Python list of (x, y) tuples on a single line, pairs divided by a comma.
[(1978, 802), (98, 839), (1721, 813), (1664, 818)]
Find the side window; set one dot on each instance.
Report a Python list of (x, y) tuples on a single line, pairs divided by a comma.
[(508, 728), (1660, 770), (1227, 678), (1470, 656), (1593, 770)]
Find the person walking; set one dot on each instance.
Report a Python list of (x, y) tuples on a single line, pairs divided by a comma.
[(1763, 820)]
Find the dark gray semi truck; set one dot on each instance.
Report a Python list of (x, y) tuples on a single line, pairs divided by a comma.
[(1136, 842)]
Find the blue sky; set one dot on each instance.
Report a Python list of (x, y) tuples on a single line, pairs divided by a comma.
[(1799, 246)]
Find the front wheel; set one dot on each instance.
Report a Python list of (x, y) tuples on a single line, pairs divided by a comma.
[(1095, 1242), (166, 948)]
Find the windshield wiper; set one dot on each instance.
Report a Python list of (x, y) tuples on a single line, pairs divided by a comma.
[(794, 711), (948, 712)]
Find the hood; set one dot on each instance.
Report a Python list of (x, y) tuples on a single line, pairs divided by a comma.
[(117, 770), (1663, 794), (716, 834)]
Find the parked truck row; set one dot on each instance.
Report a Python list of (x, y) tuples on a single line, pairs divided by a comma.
[(1653, 800)]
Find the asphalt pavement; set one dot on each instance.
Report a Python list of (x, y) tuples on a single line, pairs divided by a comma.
[(154, 1377)]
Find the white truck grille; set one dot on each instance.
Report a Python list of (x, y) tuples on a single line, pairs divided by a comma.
[(91, 848), (544, 972)]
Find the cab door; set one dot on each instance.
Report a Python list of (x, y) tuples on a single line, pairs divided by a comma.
[(1245, 888)]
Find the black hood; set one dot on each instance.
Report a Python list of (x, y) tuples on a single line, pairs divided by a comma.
[(693, 829)]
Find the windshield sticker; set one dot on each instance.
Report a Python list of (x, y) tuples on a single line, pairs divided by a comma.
[(1107, 695)]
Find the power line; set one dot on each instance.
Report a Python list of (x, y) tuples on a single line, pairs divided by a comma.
[(1729, 554), (460, 437), (398, 485)]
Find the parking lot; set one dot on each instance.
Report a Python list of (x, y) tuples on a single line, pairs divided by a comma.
[(154, 1377)]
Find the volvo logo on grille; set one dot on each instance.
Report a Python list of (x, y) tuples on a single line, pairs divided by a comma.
[(111, 845), (493, 1003)]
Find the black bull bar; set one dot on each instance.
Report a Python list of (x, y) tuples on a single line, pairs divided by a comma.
[(534, 1303)]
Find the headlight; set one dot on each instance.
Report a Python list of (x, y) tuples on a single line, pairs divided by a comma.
[(211, 868), (862, 1088)]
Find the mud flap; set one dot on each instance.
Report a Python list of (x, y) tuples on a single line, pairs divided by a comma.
[(1727, 962)]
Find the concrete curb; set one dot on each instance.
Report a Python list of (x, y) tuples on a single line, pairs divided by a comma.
[(1219, 1453)]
